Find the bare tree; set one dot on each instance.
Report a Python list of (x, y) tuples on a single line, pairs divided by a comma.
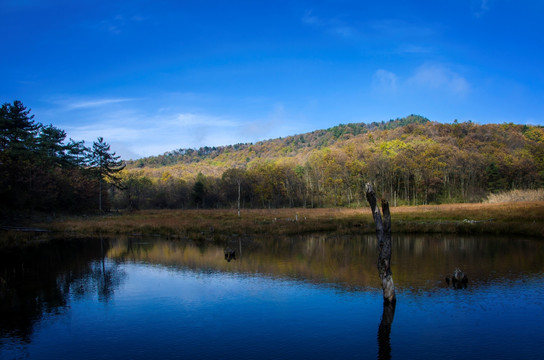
[(383, 234)]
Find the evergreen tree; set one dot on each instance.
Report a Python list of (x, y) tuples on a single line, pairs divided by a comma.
[(106, 166), (17, 142), (199, 190), (17, 128)]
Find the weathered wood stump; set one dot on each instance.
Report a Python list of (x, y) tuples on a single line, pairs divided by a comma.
[(383, 234), (459, 279), (230, 254)]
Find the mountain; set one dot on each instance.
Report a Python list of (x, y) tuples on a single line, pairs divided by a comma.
[(206, 158), (411, 160)]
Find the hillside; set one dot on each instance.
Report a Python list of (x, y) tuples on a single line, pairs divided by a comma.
[(214, 160), (411, 160)]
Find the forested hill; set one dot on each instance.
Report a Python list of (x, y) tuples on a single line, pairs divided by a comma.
[(412, 160), (296, 145)]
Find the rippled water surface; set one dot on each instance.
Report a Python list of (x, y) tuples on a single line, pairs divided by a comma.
[(313, 296)]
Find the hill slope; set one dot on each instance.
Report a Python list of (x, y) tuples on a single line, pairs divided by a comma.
[(242, 155), (412, 160)]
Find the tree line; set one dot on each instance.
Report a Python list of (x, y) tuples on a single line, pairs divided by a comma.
[(411, 162), (242, 153), (40, 171)]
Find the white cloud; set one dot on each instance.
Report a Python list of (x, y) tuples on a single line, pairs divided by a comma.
[(84, 104), (384, 80), (92, 132), (135, 135), (141, 128), (438, 77)]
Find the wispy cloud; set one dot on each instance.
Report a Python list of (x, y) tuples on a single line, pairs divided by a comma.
[(310, 19), (25, 4), (120, 23), (333, 26), (134, 133), (264, 127), (413, 49), (400, 29), (435, 76), (190, 119), (137, 127), (114, 132), (93, 103), (385, 81), (343, 31), (479, 7)]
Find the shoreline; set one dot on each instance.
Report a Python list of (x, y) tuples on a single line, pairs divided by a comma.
[(516, 218)]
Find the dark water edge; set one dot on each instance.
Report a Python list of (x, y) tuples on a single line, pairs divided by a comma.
[(314, 296)]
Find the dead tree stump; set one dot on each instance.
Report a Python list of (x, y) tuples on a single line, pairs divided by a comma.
[(383, 234), (459, 279)]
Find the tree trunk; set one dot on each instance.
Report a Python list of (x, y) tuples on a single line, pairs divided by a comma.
[(239, 191), (100, 196), (383, 234)]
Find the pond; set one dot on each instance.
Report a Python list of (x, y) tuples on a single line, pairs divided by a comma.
[(313, 296)]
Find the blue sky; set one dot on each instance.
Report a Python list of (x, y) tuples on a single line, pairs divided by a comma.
[(154, 76)]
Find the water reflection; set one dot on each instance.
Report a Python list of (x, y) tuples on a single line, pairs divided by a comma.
[(384, 331), (41, 279), (419, 262), (175, 294)]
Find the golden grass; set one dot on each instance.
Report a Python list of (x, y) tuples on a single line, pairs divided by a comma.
[(524, 218), (517, 195)]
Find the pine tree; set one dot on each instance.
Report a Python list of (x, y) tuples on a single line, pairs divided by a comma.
[(106, 166), (17, 128)]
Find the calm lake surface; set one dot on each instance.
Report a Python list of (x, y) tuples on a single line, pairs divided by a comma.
[(307, 297)]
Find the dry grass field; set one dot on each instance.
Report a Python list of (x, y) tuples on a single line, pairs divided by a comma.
[(517, 196), (521, 218)]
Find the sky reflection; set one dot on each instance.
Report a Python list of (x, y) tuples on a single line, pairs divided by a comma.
[(170, 302)]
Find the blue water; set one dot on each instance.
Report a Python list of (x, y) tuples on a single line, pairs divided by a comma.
[(141, 310)]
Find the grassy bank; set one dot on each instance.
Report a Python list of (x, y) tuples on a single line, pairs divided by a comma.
[(520, 218)]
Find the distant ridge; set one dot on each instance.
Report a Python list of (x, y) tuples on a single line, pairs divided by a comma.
[(289, 145), (411, 161)]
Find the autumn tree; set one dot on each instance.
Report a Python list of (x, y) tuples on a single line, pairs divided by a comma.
[(171, 192), (233, 179), (413, 160)]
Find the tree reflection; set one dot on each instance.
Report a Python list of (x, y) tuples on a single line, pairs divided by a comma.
[(41, 279), (109, 278), (384, 331), (420, 262)]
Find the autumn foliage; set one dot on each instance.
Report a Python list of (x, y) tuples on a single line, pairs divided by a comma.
[(411, 161)]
